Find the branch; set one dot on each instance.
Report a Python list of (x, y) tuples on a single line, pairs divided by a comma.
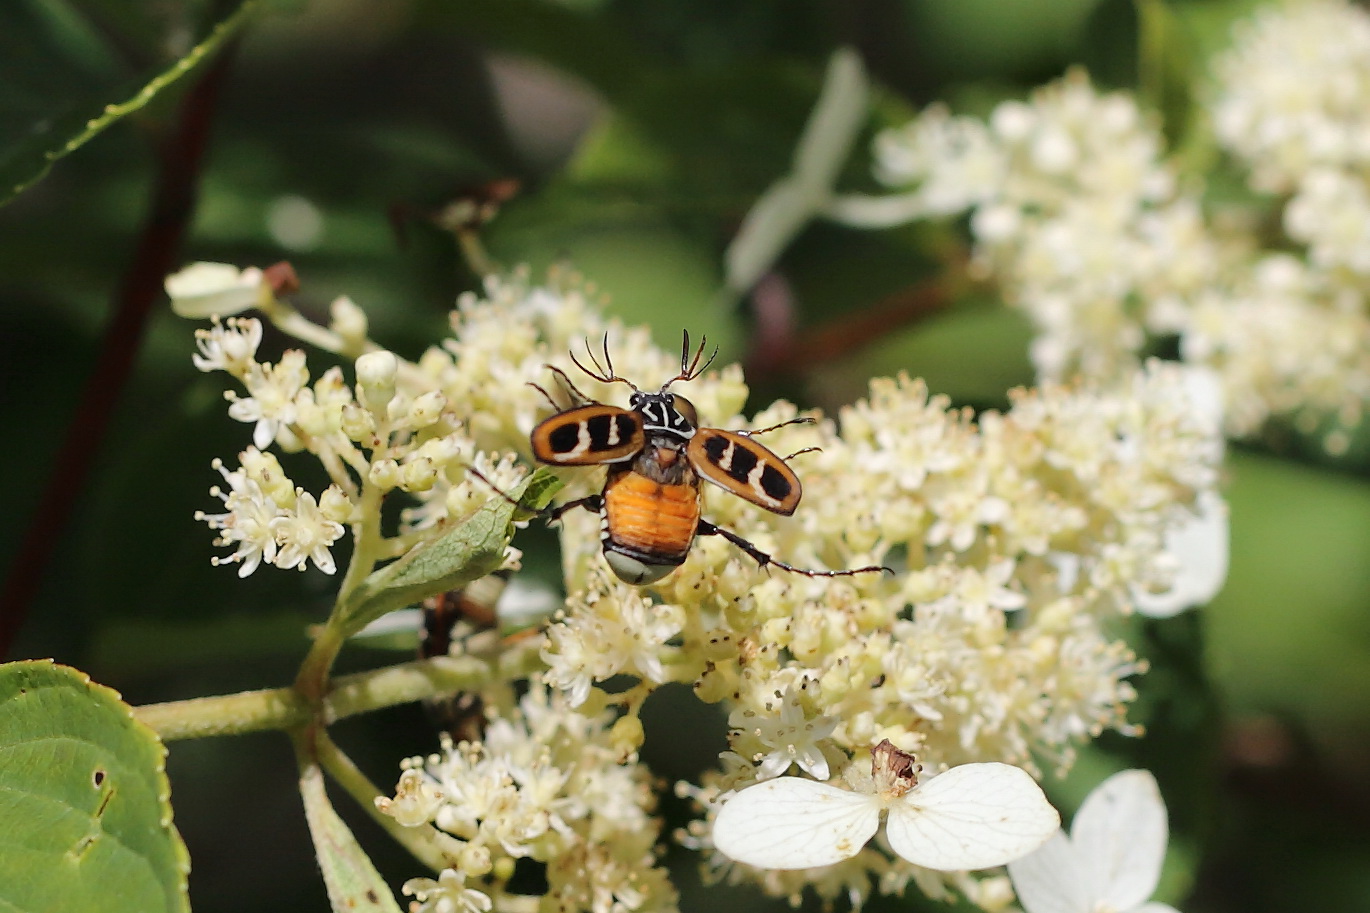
[(180, 156)]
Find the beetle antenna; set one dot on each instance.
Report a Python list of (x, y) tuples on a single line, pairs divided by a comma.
[(547, 396), (601, 373), (691, 368), (577, 396)]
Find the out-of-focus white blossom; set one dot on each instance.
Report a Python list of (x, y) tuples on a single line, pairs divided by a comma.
[(1112, 858), (1083, 224), (216, 290), (1294, 91)]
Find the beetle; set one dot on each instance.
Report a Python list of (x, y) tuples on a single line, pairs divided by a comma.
[(657, 452)]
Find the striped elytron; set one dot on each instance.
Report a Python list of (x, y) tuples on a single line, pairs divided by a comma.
[(656, 453)]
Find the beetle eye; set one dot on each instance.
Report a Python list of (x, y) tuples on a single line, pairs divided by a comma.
[(686, 410)]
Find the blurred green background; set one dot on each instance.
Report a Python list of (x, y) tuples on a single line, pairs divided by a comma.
[(639, 132)]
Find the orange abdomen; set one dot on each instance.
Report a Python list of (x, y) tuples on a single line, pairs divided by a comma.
[(649, 517)]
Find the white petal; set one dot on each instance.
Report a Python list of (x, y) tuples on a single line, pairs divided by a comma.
[(792, 823), (1201, 545), (972, 817), (1051, 880), (202, 289), (1120, 834)]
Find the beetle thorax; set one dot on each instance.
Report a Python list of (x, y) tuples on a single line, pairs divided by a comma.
[(665, 414)]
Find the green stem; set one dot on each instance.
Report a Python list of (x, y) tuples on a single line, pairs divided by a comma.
[(434, 848), (363, 692), (1151, 39), (421, 678), (312, 680), (229, 714)]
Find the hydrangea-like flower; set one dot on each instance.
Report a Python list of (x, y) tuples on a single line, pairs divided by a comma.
[(246, 524), (448, 894), (1017, 538), (1293, 91), (546, 783), (1112, 859), (784, 734), (268, 520), (230, 346), (971, 817)]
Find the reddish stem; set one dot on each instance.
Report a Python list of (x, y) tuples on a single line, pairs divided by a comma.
[(180, 155)]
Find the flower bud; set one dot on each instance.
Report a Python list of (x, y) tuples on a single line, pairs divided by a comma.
[(385, 474), (474, 860), (427, 409), (626, 736), (357, 423), (348, 321), (418, 475), (376, 379), (334, 505)]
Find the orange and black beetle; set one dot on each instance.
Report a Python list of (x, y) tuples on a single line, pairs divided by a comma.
[(656, 453)]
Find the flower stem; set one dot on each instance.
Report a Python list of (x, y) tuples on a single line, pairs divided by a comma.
[(285, 708), (312, 680)]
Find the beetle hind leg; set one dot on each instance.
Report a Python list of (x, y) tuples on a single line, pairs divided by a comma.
[(764, 560)]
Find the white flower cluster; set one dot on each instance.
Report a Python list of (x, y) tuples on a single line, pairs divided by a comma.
[(1293, 91), (1017, 540), (1072, 212), (1293, 104), (269, 519), (1083, 224), (1020, 537), (546, 783)]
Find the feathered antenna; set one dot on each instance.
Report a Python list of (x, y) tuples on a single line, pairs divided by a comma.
[(602, 373), (691, 368)]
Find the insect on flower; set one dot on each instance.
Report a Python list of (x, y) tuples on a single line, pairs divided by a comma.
[(657, 452)]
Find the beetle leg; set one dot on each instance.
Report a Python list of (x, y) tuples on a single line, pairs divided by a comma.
[(764, 560)]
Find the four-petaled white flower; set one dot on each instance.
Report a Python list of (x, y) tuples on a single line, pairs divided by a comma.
[(306, 533), (272, 403), (789, 735), (448, 894), (972, 817), (230, 346), (1110, 863)]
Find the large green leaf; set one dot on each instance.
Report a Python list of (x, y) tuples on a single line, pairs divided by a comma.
[(85, 812), (43, 123)]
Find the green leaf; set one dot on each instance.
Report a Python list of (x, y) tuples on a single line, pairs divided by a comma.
[(47, 134), (85, 807), (354, 885), (465, 553)]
